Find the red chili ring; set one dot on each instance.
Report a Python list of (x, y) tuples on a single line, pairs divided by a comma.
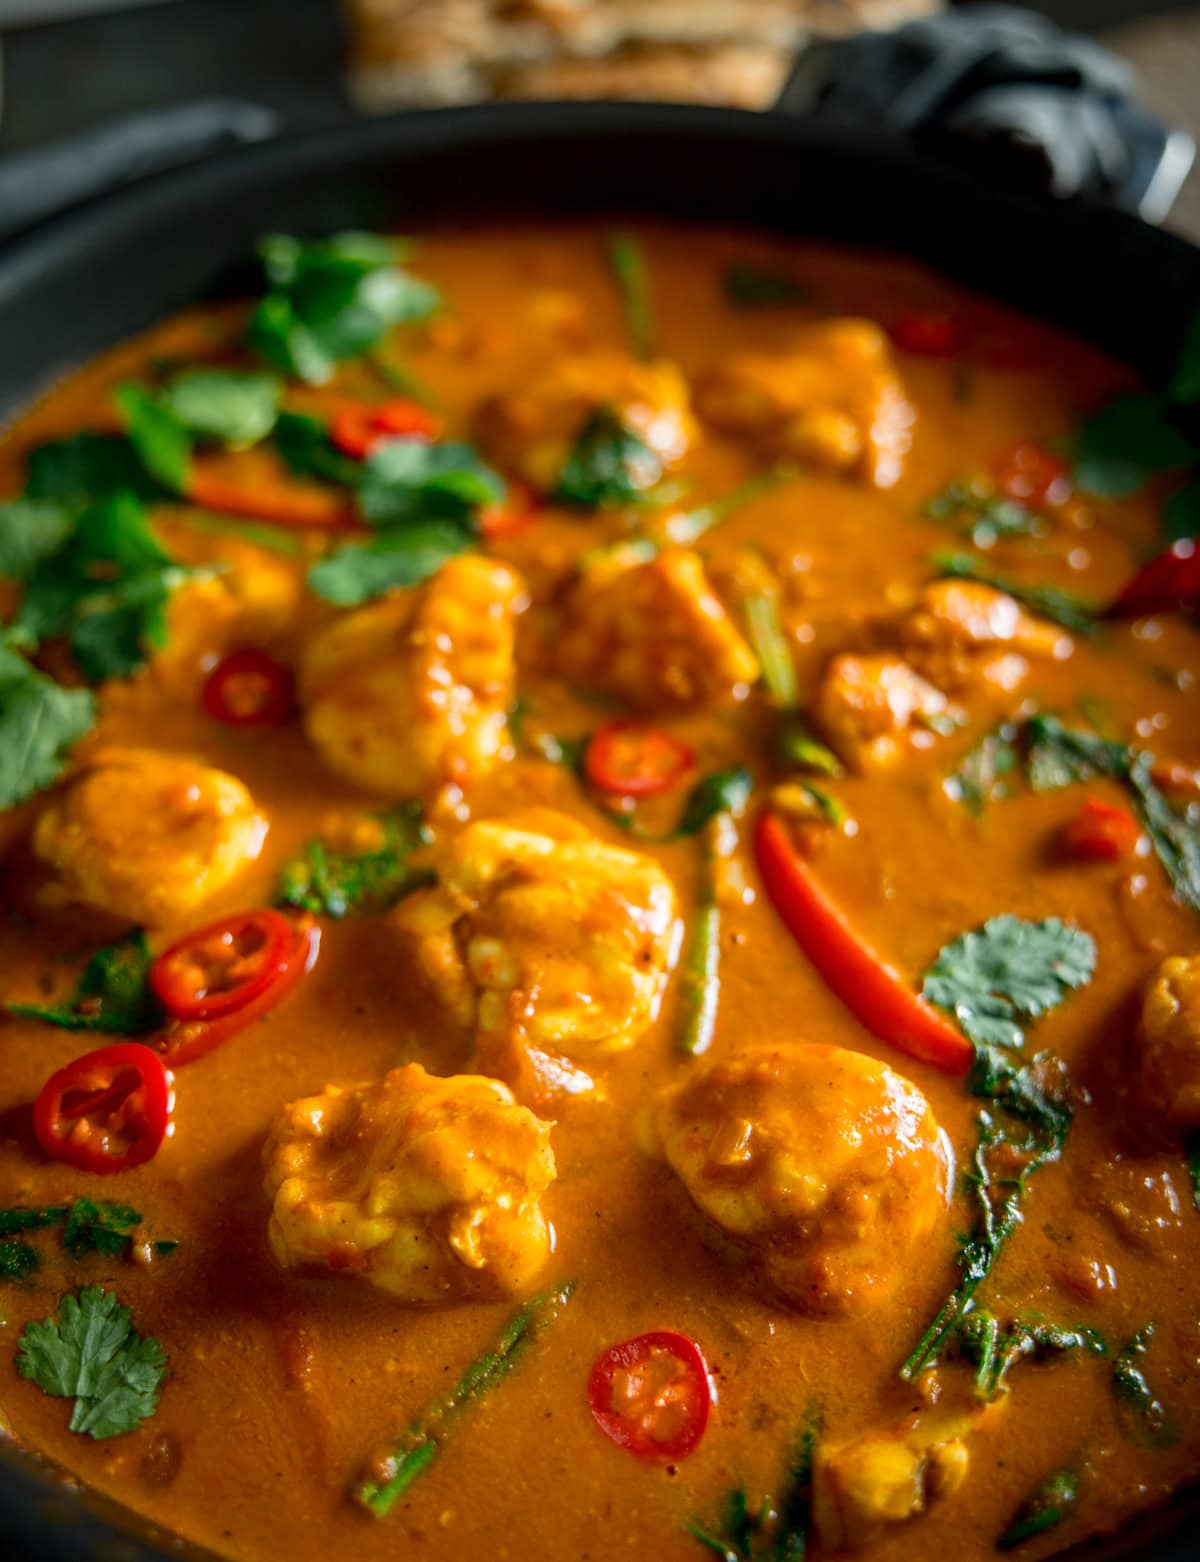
[(221, 968), (630, 759), (106, 1111), (248, 688), (652, 1395)]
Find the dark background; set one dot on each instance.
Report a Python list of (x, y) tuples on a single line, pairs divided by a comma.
[(288, 54)]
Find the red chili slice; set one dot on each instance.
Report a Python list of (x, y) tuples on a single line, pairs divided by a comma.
[(183, 1041), (240, 484), (107, 1111), (1034, 475), (633, 760), (222, 967), (249, 689), (874, 991), (1170, 583), (1101, 832), (356, 427), (516, 514), (652, 1395), (929, 333)]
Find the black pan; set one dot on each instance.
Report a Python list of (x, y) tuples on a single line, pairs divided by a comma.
[(80, 283)]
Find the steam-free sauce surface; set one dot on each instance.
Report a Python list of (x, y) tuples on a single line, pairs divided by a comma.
[(283, 1384)]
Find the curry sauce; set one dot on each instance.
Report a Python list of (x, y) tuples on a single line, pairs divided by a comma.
[(799, 437)]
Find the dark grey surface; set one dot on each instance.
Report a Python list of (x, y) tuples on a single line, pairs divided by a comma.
[(285, 53)]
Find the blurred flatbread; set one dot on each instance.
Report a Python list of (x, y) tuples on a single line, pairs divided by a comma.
[(734, 52)]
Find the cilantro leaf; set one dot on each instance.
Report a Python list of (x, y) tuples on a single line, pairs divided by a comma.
[(406, 480), (399, 556), (163, 444), (92, 1353), (106, 591), (17, 1260), (39, 725), (31, 530), (231, 407), (333, 883), (87, 468), (332, 300), (1061, 607), (113, 994), (99, 1228), (305, 447), (1008, 971), (1127, 441), (608, 464)]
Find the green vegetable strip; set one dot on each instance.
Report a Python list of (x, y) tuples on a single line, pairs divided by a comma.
[(13, 1221), (1192, 1149), (1049, 1505), (700, 981), (772, 649), (627, 260), (419, 1446), (1047, 601), (689, 527)]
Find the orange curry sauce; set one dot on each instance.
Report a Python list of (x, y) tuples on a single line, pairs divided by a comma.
[(282, 1384)]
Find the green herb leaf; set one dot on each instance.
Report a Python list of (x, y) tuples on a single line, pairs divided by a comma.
[(1049, 1505), (231, 407), (995, 1351), (608, 465), (1061, 607), (1060, 756), (305, 447), (1181, 513), (1192, 1151), (775, 1531), (87, 468), (402, 555), (750, 287), (1008, 971), (979, 777), (332, 300), (335, 883), (799, 748), (160, 439), (17, 1260), (627, 260), (1126, 442), (91, 1352), (420, 1445), (31, 531), (99, 1228), (723, 792), (113, 995), (985, 517), (14, 1221), (106, 591), (39, 725), (1146, 1420), (407, 480), (1184, 387)]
